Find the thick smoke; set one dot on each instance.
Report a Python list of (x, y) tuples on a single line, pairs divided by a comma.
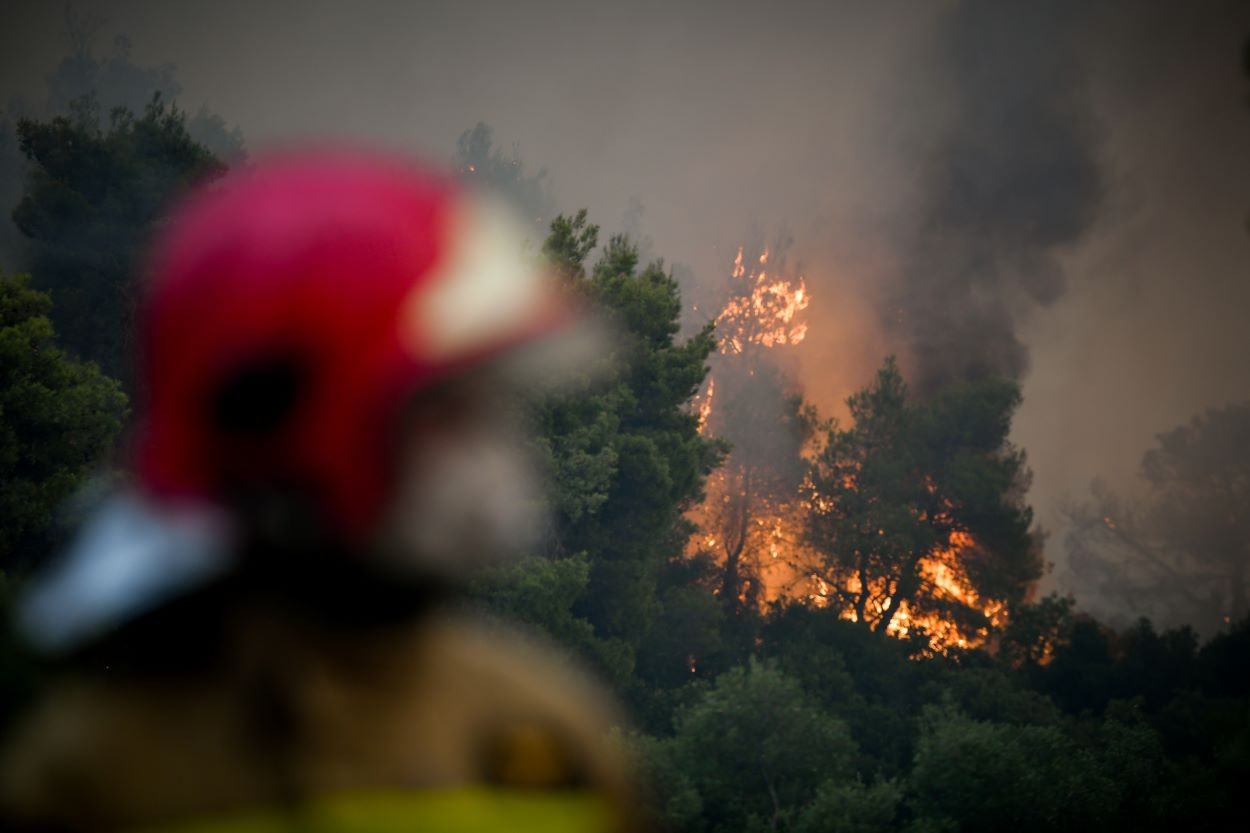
[(1011, 180)]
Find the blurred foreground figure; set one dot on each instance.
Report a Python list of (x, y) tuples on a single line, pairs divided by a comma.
[(257, 636)]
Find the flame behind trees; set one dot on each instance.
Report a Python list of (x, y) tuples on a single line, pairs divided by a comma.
[(752, 518), (912, 521), (763, 310), (917, 516), (749, 520)]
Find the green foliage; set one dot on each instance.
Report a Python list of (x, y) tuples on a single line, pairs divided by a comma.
[(12, 168), (985, 776), (748, 753), (93, 196), (541, 592), (851, 807), (58, 419), (626, 434), (624, 459), (859, 676), (570, 242), (112, 79), (688, 639)]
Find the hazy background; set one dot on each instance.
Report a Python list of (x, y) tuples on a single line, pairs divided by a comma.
[(1060, 193)]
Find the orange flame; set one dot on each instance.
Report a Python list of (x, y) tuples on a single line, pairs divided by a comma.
[(764, 313), (705, 405), (944, 578)]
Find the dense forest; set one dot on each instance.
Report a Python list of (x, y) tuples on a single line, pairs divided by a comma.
[(878, 693)]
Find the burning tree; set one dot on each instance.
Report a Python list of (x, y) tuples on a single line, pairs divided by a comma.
[(749, 520), (917, 521), (752, 516), (912, 521)]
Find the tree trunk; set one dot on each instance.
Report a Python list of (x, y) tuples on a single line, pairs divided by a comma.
[(735, 536)]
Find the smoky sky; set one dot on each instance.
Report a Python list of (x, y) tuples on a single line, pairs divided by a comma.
[(1053, 191), (1011, 178)]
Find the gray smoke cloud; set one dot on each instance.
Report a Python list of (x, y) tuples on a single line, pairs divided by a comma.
[(1012, 179)]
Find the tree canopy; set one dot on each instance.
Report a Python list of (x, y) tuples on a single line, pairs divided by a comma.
[(94, 193), (918, 506), (621, 448), (59, 418), (112, 79)]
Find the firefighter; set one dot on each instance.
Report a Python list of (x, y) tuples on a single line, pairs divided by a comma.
[(257, 632)]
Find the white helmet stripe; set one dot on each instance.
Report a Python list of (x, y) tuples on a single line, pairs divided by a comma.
[(486, 290)]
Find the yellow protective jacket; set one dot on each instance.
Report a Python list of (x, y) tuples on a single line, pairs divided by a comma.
[(448, 723)]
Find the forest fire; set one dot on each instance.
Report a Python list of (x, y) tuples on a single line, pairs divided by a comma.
[(751, 519), (764, 313), (648, 543), (755, 516), (944, 580)]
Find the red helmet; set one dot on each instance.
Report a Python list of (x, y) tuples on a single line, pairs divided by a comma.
[(296, 306)]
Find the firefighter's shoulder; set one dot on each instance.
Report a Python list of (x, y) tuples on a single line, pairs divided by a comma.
[(456, 702), (526, 711)]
